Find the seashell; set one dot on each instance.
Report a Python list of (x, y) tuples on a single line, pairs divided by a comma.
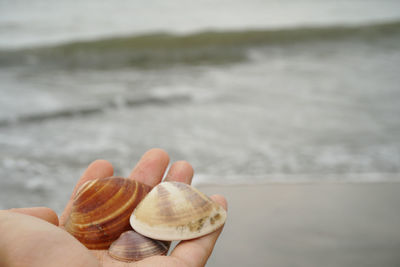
[(176, 211), (101, 210), (132, 246)]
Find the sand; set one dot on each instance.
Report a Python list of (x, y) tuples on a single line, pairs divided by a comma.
[(310, 225)]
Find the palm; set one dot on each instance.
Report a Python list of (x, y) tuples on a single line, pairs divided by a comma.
[(67, 251), (107, 261)]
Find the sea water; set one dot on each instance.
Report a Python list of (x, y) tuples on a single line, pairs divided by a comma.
[(246, 91)]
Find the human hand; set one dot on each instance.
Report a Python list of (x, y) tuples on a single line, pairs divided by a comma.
[(29, 241)]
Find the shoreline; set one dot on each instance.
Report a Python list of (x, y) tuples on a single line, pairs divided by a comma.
[(309, 224), (303, 178), (209, 185)]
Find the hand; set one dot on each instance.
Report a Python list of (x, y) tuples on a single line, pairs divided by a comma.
[(30, 236)]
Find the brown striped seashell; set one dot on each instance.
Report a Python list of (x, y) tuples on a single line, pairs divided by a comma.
[(132, 246), (176, 211), (101, 210)]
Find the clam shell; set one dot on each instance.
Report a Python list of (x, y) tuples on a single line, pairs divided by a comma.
[(101, 210), (132, 246), (176, 211)]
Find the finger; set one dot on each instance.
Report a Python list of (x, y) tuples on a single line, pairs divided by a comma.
[(196, 252), (43, 213), (97, 169), (180, 171), (151, 167)]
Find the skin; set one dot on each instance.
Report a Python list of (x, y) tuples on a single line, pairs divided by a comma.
[(35, 236)]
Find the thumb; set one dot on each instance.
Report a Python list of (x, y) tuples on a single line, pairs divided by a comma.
[(43, 213)]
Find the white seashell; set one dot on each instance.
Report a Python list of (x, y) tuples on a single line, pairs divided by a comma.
[(176, 211)]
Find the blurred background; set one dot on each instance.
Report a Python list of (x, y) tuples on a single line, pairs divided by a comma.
[(247, 91)]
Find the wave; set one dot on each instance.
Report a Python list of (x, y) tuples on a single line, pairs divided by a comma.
[(80, 111), (164, 49)]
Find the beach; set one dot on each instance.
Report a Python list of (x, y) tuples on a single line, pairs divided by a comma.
[(275, 106), (310, 224), (290, 109), (286, 92)]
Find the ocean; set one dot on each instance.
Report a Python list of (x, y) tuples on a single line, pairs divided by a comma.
[(247, 91)]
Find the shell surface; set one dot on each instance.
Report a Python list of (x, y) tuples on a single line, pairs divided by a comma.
[(132, 246), (101, 210), (176, 211)]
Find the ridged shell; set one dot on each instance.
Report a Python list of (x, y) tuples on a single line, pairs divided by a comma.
[(176, 211), (132, 246), (101, 210)]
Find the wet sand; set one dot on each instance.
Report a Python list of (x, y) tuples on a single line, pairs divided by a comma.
[(329, 224)]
